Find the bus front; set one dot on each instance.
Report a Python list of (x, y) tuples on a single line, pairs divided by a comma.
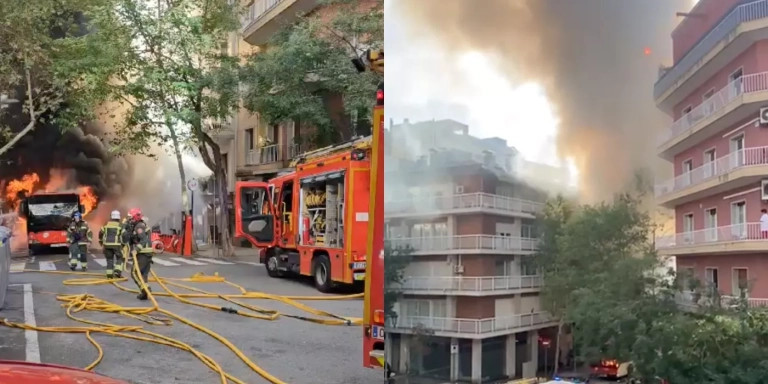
[(48, 216)]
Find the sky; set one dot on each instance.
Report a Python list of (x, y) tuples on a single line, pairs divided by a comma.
[(453, 60)]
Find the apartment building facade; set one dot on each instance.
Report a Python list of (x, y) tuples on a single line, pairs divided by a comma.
[(718, 146), (469, 309)]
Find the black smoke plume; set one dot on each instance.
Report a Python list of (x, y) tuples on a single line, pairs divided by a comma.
[(591, 57)]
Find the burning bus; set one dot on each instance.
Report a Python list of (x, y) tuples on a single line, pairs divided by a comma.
[(47, 217)]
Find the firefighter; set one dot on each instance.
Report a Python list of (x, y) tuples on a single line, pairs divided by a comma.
[(126, 234), (79, 235), (141, 244), (111, 239)]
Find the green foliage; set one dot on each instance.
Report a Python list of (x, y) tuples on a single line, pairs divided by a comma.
[(602, 275), (319, 55), (172, 75), (45, 49), (395, 261)]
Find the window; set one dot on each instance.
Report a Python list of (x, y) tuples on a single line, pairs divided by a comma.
[(249, 139), (709, 163), (425, 308), (528, 266), (736, 83), (739, 219), (710, 224), (687, 110), (686, 172), (688, 228), (686, 277), (740, 285), (737, 151), (711, 275)]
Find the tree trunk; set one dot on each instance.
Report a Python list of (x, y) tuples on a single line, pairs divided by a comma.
[(32, 117), (211, 154), (557, 347), (182, 174)]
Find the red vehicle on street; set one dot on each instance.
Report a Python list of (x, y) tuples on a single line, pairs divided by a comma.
[(32, 373), (48, 216)]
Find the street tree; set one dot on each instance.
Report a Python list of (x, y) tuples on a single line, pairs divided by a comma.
[(318, 54), (175, 82), (51, 64)]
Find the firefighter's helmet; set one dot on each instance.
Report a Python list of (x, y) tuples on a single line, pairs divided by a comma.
[(115, 215)]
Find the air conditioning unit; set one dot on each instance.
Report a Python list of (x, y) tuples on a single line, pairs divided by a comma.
[(764, 189), (458, 269), (764, 116)]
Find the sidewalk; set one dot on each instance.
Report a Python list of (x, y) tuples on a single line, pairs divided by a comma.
[(241, 254)]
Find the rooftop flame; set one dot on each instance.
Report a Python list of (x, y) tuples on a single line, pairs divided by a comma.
[(59, 182)]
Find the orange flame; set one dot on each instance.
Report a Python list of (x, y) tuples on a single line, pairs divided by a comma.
[(88, 199), (26, 184)]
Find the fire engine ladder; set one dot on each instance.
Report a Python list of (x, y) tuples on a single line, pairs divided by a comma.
[(359, 143)]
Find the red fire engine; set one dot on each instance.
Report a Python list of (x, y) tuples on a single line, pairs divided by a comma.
[(313, 220)]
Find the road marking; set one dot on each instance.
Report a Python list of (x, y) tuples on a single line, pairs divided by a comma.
[(17, 267), (164, 262), (102, 262), (191, 262), (32, 259), (33, 346), (214, 261), (251, 263), (47, 266)]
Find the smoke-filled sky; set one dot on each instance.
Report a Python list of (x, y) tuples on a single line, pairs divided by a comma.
[(558, 79)]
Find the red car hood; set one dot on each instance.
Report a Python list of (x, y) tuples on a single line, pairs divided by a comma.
[(31, 373)]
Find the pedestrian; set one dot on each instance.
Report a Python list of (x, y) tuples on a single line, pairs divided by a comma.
[(111, 239), (141, 244), (764, 223), (79, 235)]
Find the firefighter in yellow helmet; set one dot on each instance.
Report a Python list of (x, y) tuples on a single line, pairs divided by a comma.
[(111, 240)]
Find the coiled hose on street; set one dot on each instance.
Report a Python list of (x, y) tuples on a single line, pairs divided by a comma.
[(85, 302)]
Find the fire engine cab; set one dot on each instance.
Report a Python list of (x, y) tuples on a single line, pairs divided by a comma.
[(312, 221)]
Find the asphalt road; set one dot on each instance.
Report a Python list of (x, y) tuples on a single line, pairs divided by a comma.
[(294, 351)]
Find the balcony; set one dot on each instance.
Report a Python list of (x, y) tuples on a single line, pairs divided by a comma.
[(735, 170), (462, 204), (730, 105), (470, 285), (467, 244), (736, 238), (474, 328), (735, 33), (690, 300), (219, 129), (265, 17)]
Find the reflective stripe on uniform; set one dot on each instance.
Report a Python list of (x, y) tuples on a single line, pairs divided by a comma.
[(111, 234)]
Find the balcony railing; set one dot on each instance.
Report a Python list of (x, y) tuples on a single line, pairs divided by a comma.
[(473, 326), (257, 10), (470, 284), (714, 235), (462, 202), (263, 155), (757, 82), (735, 160), (272, 154), (686, 299), (741, 14), (466, 243)]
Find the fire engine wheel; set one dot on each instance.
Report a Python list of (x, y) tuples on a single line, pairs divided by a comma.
[(322, 273), (272, 266)]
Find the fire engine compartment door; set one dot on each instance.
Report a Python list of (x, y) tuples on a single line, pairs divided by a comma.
[(256, 219)]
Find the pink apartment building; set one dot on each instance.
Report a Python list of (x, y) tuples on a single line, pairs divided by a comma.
[(718, 145)]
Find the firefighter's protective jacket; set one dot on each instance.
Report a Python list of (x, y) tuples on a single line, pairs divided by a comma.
[(111, 234), (79, 233), (142, 238)]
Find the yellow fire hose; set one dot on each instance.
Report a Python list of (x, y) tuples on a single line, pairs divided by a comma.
[(85, 302)]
